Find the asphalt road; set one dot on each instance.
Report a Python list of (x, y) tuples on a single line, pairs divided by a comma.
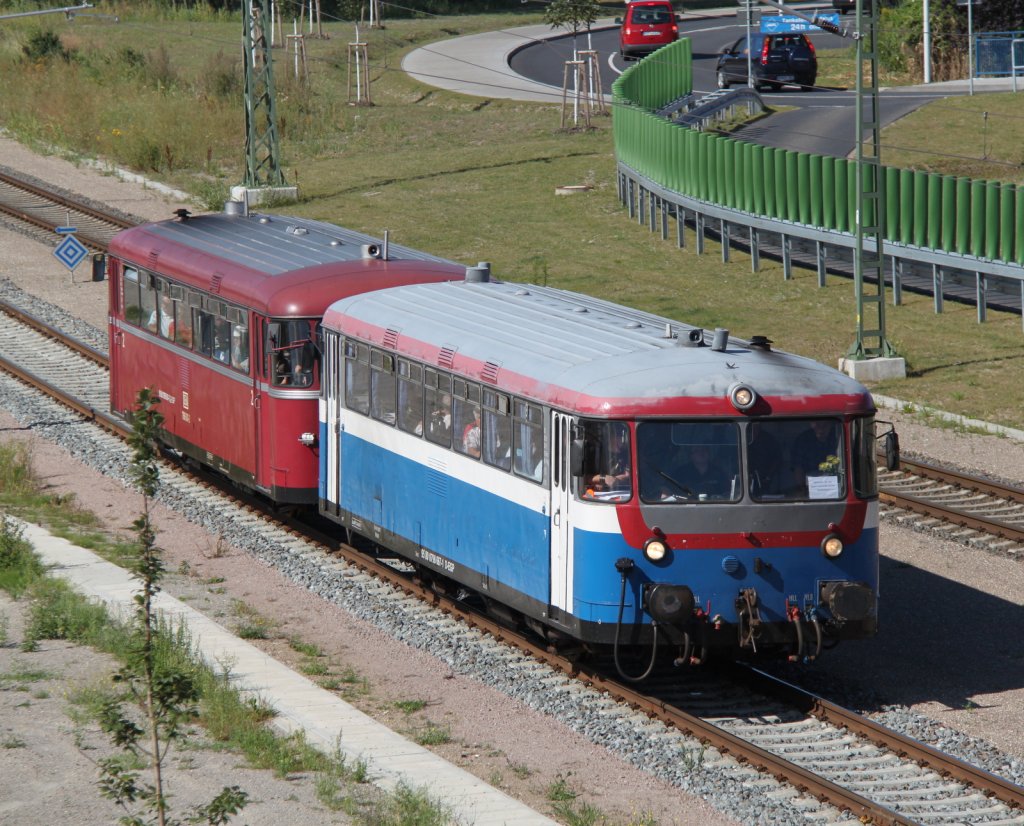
[(821, 121)]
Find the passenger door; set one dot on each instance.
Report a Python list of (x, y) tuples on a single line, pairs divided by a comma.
[(561, 523)]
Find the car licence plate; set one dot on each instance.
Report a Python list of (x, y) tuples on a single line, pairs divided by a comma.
[(651, 34), (785, 77)]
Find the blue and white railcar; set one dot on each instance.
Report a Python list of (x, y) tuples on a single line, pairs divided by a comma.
[(605, 475)]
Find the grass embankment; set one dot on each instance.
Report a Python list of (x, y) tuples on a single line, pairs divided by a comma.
[(229, 721), (467, 178)]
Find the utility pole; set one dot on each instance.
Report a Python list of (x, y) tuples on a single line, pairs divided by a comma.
[(871, 356), (262, 147), (868, 264)]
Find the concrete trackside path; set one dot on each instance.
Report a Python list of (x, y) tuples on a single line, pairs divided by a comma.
[(328, 722)]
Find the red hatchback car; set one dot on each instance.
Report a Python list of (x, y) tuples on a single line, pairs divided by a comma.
[(647, 26)]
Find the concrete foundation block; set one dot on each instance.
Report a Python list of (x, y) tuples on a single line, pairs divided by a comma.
[(876, 369)]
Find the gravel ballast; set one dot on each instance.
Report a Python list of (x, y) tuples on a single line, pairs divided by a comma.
[(944, 667)]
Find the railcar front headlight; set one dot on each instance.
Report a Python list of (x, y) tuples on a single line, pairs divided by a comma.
[(743, 397), (655, 550), (832, 546)]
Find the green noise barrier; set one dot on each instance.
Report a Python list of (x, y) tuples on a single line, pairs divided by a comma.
[(984, 219)]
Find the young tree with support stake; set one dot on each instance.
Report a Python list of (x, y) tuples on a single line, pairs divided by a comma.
[(575, 15), (166, 694)]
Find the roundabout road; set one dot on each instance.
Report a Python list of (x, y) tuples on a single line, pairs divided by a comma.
[(820, 121)]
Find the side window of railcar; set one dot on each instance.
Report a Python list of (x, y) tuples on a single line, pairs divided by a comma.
[(437, 393), (410, 397), (528, 440), (147, 301), (497, 430), (865, 469), (466, 415), (239, 322), (161, 320), (240, 347), (182, 316), (607, 462), (383, 386), (130, 291), (357, 376), (204, 320), (290, 353)]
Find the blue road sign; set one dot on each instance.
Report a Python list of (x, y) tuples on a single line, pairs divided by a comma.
[(70, 252), (65, 230), (788, 23)]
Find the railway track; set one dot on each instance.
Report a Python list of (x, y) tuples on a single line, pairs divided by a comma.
[(824, 753), (971, 509), (828, 754), (38, 210)]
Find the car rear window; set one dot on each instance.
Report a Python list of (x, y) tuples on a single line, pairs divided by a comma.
[(651, 15)]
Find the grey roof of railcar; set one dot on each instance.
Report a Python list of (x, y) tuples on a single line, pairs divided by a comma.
[(274, 244), (578, 344)]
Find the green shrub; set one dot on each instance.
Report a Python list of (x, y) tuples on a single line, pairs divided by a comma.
[(19, 566), (44, 44)]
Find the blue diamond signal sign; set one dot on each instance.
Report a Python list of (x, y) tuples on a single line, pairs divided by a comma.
[(70, 252)]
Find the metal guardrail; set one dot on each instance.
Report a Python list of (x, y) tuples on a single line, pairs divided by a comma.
[(987, 284), (722, 105), (652, 161)]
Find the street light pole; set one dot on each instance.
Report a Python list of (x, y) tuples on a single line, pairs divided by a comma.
[(927, 29)]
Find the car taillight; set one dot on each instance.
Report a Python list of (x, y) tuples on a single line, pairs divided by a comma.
[(675, 29), (810, 46), (764, 52)]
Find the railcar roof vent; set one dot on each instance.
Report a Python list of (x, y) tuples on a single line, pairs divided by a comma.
[(721, 340), (479, 274), (446, 358), (668, 332), (761, 343), (236, 208), (215, 282), (490, 372), (293, 230), (154, 256), (183, 214), (390, 338), (694, 338)]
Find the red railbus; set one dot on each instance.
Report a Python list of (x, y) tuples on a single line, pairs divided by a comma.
[(218, 315)]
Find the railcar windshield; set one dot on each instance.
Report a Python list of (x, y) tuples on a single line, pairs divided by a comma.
[(796, 459), (775, 460), (291, 356), (689, 461)]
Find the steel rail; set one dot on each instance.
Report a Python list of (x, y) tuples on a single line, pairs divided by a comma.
[(764, 761), (784, 770), (962, 480), (85, 235), (34, 322), (955, 516), (904, 746)]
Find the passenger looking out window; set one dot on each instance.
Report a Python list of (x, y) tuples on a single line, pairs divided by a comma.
[(162, 317), (607, 465), (437, 390), (290, 354), (471, 435)]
